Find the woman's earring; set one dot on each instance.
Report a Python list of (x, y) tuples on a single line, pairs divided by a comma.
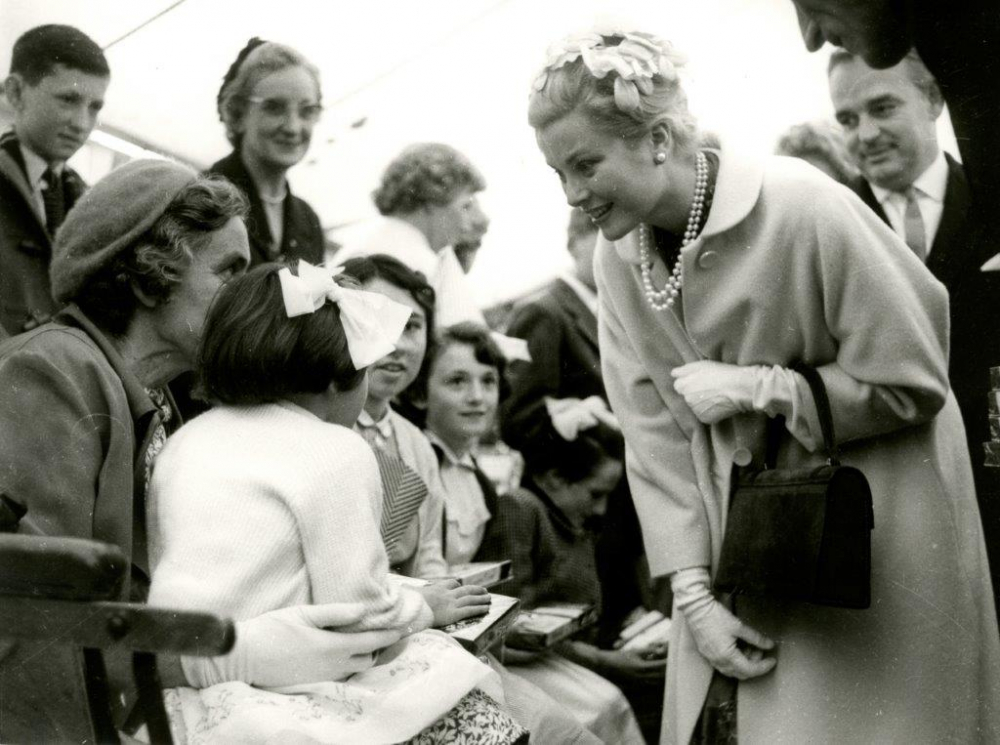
[(661, 157)]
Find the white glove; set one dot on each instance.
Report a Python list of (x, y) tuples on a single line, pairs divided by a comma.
[(716, 631), (716, 390), (292, 646)]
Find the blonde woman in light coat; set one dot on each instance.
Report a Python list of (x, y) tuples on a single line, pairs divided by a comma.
[(716, 274)]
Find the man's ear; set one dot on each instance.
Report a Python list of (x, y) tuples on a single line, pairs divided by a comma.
[(13, 88), (935, 100)]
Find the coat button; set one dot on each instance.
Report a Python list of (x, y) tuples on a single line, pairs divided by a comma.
[(742, 457), (708, 259)]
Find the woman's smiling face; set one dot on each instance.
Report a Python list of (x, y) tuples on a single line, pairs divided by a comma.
[(279, 141), (393, 374), (606, 176)]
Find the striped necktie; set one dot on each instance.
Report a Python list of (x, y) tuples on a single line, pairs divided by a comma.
[(913, 225), (403, 491)]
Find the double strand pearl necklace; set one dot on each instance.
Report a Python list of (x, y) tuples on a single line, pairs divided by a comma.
[(665, 298)]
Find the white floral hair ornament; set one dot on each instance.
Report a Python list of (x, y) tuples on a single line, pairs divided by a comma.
[(372, 322), (635, 60)]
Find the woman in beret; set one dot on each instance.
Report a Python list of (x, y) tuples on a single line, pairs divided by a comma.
[(83, 410)]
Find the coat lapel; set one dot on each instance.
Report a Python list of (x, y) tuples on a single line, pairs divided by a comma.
[(952, 249), (13, 173)]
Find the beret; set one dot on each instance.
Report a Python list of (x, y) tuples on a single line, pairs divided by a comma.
[(109, 217)]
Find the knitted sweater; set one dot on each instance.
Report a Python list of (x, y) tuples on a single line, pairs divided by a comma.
[(257, 508)]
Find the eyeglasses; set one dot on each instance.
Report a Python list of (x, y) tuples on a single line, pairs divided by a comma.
[(280, 108)]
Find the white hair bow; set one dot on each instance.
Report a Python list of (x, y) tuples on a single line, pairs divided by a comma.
[(372, 322)]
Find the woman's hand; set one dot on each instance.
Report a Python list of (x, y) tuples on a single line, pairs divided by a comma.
[(717, 632), (452, 602), (292, 646), (716, 390)]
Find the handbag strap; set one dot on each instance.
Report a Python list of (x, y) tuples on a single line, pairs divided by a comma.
[(818, 389)]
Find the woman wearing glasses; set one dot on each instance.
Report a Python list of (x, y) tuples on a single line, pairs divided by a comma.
[(269, 102)]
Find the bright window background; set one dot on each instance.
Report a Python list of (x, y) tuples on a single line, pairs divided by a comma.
[(399, 71)]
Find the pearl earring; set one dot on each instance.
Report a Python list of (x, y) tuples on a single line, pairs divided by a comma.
[(661, 157)]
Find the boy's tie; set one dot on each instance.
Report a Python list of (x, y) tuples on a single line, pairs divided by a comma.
[(55, 205)]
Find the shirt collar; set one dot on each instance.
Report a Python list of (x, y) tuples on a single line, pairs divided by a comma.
[(465, 461), (36, 165), (383, 426), (932, 183), (587, 296)]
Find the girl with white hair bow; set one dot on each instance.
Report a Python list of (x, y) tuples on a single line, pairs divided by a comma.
[(266, 509)]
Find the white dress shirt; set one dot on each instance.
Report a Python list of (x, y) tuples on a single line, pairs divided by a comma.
[(36, 167), (930, 188)]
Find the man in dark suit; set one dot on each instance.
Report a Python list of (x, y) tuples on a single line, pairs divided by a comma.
[(58, 78), (889, 118), (559, 322)]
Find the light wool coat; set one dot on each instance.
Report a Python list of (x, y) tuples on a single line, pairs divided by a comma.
[(792, 267)]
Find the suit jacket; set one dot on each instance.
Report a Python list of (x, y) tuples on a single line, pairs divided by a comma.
[(974, 299), (302, 236), (951, 243), (25, 244), (561, 332)]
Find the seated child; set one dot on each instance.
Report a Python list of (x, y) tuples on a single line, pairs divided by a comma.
[(463, 386), (545, 529), (415, 550), (266, 509), (464, 377), (396, 375)]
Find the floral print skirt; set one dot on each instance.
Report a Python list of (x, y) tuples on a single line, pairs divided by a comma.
[(422, 695)]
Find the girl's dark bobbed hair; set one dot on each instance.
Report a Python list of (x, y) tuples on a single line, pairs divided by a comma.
[(252, 352)]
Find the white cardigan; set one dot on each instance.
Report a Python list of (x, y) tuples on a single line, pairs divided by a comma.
[(257, 508)]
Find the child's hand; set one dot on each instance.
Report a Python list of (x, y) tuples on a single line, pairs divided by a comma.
[(615, 664), (452, 602)]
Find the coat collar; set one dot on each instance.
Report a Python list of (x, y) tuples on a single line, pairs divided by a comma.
[(736, 193), (234, 169), (139, 402)]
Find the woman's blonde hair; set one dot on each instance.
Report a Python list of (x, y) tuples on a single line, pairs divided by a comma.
[(626, 82), (256, 61)]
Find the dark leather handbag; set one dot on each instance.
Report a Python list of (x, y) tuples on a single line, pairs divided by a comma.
[(800, 534)]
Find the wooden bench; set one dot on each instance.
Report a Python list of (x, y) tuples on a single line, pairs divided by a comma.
[(57, 602)]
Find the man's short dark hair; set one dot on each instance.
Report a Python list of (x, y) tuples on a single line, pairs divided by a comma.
[(38, 51)]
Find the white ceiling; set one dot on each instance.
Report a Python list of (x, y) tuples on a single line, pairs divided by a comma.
[(450, 70)]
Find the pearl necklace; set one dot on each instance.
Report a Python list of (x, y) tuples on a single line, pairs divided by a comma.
[(665, 298)]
